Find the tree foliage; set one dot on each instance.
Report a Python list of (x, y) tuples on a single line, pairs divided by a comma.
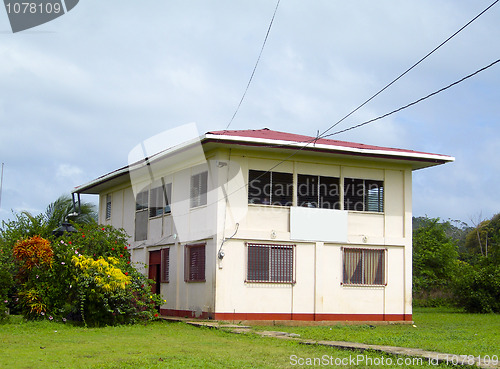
[(434, 255), (471, 276), (84, 276), (484, 239), (26, 224)]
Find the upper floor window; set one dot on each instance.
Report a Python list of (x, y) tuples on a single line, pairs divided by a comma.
[(270, 188), (318, 191), (141, 216), (108, 206), (141, 201), (363, 195), (199, 187), (363, 266), (159, 200)]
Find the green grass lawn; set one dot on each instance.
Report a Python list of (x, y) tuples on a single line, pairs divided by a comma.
[(177, 345), (437, 329)]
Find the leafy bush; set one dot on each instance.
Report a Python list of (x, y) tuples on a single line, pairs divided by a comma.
[(477, 288), (434, 256), (84, 276), (5, 285)]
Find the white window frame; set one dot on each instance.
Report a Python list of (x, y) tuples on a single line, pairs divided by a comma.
[(278, 270), (366, 274), (107, 210), (160, 195), (198, 189)]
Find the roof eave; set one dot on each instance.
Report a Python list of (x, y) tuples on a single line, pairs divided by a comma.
[(417, 157), (417, 160)]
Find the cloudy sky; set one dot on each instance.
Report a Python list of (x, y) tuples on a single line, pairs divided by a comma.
[(78, 93)]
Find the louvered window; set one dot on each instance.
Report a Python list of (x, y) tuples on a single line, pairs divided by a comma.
[(199, 187), (363, 266), (270, 263), (270, 188), (108, 207), (194, 270), (318, 192), (159, 200), (363, 195), (165, 265)]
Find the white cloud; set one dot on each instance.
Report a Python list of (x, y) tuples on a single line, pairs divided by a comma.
[(76, 99), (68, 171)]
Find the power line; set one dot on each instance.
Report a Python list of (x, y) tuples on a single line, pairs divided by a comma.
[(408, 70), (323, 135), (255, 67), (414, 102), (313, 140)]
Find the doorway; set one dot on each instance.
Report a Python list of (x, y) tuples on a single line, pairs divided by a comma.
[(155, 271)]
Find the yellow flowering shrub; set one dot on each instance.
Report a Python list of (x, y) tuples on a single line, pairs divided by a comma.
[(104, 273)]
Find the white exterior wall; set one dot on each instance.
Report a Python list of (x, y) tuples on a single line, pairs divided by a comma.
[(318, 292), (187, 227)]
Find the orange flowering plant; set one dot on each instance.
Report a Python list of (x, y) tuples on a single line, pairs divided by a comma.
[(86, 276), (34, 252)]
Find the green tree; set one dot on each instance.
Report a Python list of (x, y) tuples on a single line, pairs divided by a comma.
[(477, 287), (434, 257), (26, 224), (477, 281), (484, 240)]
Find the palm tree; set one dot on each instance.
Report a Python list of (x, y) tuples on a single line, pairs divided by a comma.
[(43, 224), (62, 210)]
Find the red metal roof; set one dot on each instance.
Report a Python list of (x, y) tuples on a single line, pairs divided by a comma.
[(268, 134)]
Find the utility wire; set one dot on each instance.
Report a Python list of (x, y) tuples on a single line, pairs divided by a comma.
[(323, 134), (416, 101), (255, 67), (313, 140)]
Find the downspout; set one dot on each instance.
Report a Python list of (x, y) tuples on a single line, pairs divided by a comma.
[(220, 253), (315, 277)]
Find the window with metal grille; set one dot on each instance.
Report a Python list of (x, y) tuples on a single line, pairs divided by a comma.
[(363, 195), (141, 216), (108, 206), (159, 200), (165, 265), (199, 187), (270, 188), (270, 263), (363, 266), (194, 270), (318, 192)]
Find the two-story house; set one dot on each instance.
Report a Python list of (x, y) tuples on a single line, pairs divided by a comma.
[(266, 225)]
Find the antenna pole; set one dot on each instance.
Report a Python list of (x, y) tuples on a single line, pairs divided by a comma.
[(1, 185)]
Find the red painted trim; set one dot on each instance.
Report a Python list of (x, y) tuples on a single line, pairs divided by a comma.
[(185, 314), (315, 317), (289, 316)]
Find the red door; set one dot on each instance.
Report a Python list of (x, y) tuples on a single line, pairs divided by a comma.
[(155, 270)]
